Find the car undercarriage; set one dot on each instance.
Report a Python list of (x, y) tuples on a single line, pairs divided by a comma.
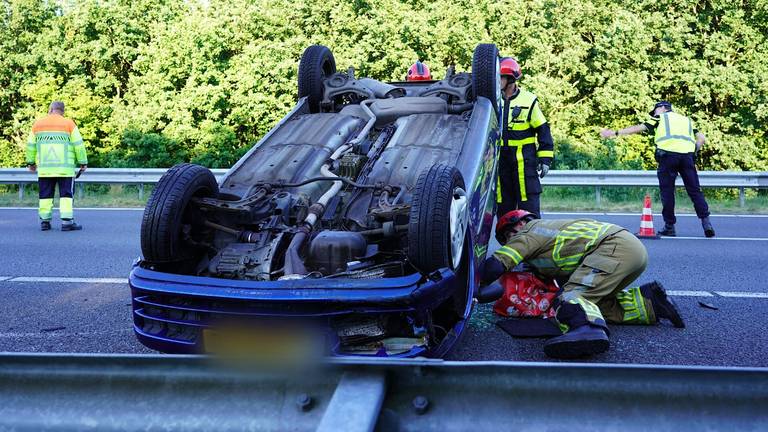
[(362, 181)]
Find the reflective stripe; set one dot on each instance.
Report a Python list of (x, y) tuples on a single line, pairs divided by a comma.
[(510, 253), (498, 189), (45, 208), (633, 304), (681, 137), (521, 173), (545, 153), (520, 142), (591, 309), (590, 231)]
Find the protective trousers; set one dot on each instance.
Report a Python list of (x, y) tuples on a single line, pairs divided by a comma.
[(510, 190), (594, 293), (670, 164), (47, 187)]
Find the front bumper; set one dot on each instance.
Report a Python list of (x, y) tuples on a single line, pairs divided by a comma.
[(171, 311)]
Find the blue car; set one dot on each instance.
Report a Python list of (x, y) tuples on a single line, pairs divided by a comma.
[(365, 212)]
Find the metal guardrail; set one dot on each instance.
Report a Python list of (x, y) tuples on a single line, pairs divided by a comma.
[(126, 393), (129, 176), (597, 179)]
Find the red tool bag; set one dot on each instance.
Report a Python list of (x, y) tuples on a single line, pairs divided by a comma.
[(525, 295)]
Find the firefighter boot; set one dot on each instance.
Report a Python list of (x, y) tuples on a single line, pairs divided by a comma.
[(45, 225), (662, 305), (581, 341), (669, 230), (707, 225), (70, 225)]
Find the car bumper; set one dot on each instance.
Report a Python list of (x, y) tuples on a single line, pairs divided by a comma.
[(171, 311)]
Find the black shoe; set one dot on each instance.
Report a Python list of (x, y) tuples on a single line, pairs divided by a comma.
[(45, 225), (707, 225), (582, 341), (669, 230), (71, 227), (663, 306)]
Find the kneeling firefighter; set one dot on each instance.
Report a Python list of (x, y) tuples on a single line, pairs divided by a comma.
[(593, 262)]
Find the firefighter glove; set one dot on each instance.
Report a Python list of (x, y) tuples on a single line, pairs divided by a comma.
[(543, 169)]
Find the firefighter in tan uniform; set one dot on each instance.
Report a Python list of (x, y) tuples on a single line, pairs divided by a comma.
[(593, 262)]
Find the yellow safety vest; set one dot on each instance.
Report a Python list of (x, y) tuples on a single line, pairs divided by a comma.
[(674, 133)]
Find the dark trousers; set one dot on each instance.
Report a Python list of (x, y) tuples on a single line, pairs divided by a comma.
[(509, 184), (508, 203), (47, 186), (670, 164)]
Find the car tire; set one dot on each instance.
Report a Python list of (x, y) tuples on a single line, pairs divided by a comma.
[(432, 230), (167, 212), (486, 81), (317, 64)]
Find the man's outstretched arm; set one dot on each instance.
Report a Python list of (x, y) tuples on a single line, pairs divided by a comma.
[(631, 130)]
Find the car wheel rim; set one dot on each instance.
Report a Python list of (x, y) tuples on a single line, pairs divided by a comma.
[(458, 224)]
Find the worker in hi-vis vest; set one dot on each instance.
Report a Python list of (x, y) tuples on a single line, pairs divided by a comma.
[(521, 161), (54, 149), (677, 142)]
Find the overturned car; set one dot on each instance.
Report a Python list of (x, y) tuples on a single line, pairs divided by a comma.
[(365, 212)]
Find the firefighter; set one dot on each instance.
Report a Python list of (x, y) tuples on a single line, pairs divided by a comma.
[(677, 143), (593, 262), (418, 72), (54, 148), (521, 163)]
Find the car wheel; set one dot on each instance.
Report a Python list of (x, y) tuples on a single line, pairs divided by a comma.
[(438, 219), (486, 78), (317, 64), (167, 216)]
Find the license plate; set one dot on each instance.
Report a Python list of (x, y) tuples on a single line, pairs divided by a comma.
[(262, 342)]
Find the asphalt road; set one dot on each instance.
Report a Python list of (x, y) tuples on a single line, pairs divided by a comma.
[(66, 292)]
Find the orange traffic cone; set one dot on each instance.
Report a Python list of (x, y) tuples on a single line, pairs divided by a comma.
[(646, 221)]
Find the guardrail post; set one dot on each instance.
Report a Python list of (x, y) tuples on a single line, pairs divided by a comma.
[(80, 191), (21, 191), (141, 191), (598, 196), (742, 197)]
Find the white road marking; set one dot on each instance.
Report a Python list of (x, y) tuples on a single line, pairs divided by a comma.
[(59, 333), (683, 293), (716, 238), (38, 279), (82, 208), (759, 216), (737, 294), (67, 280)]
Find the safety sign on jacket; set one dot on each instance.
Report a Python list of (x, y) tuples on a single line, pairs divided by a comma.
[(56, 147)]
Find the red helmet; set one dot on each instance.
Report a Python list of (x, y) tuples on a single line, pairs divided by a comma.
[(510, 67), (509, 220), (418, 72)]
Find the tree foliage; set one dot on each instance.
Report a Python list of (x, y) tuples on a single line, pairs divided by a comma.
[(155, 82)]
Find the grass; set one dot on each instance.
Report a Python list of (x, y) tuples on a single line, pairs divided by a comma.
[(613, 199), (625, 199), (92, 196)]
